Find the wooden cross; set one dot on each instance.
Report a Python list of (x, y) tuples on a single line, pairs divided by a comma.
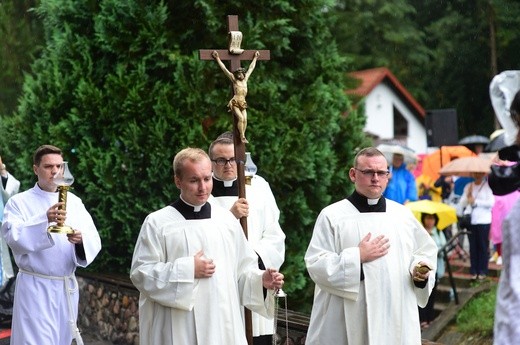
[(235, 55), (235, 59)]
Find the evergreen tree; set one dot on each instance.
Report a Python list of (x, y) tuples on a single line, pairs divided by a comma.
[(377, 33), (120, 88), (21, 38)]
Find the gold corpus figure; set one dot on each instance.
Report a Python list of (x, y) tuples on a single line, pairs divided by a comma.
[(238, 105)]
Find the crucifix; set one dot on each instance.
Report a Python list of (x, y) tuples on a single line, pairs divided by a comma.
[(237, 105)]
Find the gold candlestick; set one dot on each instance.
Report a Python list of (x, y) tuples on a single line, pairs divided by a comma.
[(64, 180)]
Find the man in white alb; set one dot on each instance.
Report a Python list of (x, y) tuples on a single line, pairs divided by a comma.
[(46, 295), (259, 206), (194, 268), (371, 261)]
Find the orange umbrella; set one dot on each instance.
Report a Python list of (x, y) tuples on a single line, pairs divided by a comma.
[(433, 162)]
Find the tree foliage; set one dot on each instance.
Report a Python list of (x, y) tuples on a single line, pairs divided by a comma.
[(120, 88), (21, 39), (443, 51)]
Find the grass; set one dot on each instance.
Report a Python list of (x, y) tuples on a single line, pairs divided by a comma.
[(478, 315)]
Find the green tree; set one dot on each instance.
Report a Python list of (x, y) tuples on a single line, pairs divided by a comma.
[(446, 52), (376, 33), (470, 41), (21, 39), (458, 35), (120, 88)]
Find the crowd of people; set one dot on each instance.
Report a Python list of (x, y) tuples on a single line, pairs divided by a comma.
[(375, 264)]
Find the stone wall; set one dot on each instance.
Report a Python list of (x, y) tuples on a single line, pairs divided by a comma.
[(109, 307)]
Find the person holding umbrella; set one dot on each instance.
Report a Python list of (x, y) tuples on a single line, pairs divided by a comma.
[(477, 200)]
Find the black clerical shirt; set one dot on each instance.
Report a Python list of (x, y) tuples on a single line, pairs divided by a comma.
[(361, 203), (220, 190), (189, 212)]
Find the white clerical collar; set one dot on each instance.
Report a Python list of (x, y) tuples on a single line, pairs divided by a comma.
[(372, 201), (195, 208), (228, 183)]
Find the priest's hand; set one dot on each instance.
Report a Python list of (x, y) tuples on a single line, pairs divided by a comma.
[(421, 271), (75, 237), (55, 215), (272, 279), (240, 208), (369, 250), (204, 267)]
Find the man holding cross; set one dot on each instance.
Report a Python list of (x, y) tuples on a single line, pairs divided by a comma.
[(264, 231)]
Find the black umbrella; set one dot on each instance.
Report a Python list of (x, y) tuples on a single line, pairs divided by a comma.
[(474, 139), (497, 143)]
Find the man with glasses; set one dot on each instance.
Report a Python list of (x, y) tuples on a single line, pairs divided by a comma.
[(264, 232), (194, 268), (371, 261)]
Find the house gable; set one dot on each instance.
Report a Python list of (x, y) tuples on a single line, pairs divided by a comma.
[(391, 111)]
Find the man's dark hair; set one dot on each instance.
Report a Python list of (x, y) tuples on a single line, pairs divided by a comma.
[(45, 150)]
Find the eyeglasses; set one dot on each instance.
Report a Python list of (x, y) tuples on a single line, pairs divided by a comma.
[(371, 173), (223, 161)]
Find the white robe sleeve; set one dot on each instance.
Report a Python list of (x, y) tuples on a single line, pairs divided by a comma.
[(336, 273), (171, 284), (91, 239), (250, 284), (425, 251), (11, 188), (271, 246), (25, 235)]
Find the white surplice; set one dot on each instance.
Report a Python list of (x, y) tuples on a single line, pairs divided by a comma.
[(263, 233), (382, 308), (174, 307), (47, 263), (11, 188), (507, 313)]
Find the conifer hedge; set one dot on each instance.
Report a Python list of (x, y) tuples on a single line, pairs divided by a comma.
[(119, 87)]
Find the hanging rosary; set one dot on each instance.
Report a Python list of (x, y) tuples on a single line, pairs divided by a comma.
[(277, 295)]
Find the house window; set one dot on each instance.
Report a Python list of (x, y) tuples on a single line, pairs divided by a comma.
[(400, 125)]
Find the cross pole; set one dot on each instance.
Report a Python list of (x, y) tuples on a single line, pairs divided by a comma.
[(240, 147)]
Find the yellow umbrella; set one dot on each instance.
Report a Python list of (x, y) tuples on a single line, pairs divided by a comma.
[(447, 215)]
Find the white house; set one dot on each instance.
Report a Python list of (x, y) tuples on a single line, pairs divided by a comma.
[(393, 115)]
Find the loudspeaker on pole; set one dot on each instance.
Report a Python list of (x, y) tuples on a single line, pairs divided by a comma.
[(441, 127)]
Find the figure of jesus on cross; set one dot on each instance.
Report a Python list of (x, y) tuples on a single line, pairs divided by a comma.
[(238, 105)]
